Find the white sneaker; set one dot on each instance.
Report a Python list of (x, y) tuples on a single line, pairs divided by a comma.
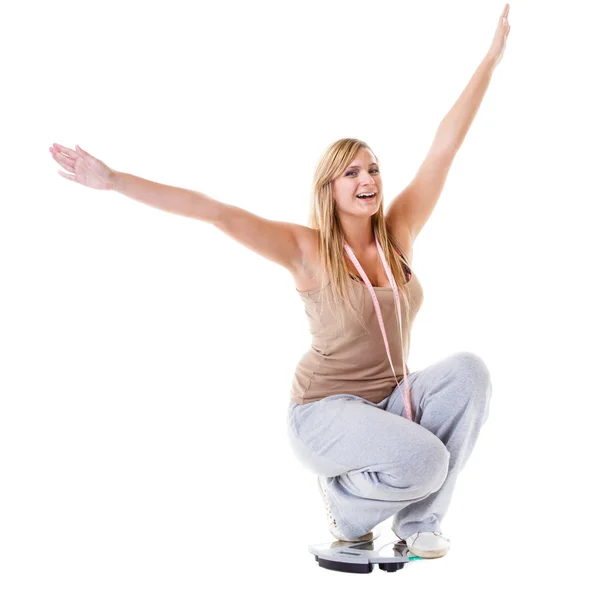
[(332, 523), (428, 544)]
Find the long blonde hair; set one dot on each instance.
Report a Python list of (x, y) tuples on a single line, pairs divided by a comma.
[(323, 217)]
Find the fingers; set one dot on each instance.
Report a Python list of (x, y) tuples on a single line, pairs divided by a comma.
[(64, 150), (68, 152), (67, 176), (63, 160), (503, 20)]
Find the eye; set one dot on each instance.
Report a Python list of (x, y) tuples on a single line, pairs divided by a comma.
[(353, 172)]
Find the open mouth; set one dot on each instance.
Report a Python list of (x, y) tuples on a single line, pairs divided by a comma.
[(367, 198)]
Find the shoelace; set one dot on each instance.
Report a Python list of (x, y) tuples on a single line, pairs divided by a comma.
[(330, 516)]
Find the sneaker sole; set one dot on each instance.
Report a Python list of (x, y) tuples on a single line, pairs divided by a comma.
[(422, 553), (428, 553)]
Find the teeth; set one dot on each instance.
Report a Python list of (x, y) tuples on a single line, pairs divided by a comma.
[(366, 195)]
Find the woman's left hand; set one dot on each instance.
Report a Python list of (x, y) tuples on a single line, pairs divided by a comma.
[(497, 48)]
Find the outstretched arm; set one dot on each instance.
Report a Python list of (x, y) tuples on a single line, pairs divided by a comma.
[(456, 123), (413, 206), (279, 241)]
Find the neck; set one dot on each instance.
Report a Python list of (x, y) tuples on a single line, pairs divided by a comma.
[(359, 236)]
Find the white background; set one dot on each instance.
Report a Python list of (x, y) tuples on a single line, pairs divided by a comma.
[(148, 357)]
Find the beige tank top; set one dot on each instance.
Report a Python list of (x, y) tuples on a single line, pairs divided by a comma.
[(352, 360)]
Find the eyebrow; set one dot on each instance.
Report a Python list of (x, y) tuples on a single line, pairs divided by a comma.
[(354, 166)]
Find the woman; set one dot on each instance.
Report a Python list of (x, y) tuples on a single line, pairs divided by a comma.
[(379, 446)]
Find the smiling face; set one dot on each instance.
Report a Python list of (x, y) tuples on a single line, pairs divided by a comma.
[(361, 176)]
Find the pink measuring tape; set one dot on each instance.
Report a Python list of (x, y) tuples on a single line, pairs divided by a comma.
[(407, 404)]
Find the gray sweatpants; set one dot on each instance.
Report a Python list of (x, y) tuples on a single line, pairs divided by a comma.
[(378, 463)]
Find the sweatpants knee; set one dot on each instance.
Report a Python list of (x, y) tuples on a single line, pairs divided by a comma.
[(432, 470), (472, 364), (440, 471), (476, 375)]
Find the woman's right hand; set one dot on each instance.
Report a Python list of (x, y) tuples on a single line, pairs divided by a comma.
[(84, 168)]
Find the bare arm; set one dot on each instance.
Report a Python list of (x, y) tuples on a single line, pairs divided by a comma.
[(277, 241), (179, 201)]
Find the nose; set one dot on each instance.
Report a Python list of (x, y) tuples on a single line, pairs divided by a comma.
[(367, 180)]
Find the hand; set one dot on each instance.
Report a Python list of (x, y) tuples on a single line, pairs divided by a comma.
[(86, 169), (497, 48)]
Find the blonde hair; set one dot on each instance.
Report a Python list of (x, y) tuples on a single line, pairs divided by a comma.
[(323, 217)]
